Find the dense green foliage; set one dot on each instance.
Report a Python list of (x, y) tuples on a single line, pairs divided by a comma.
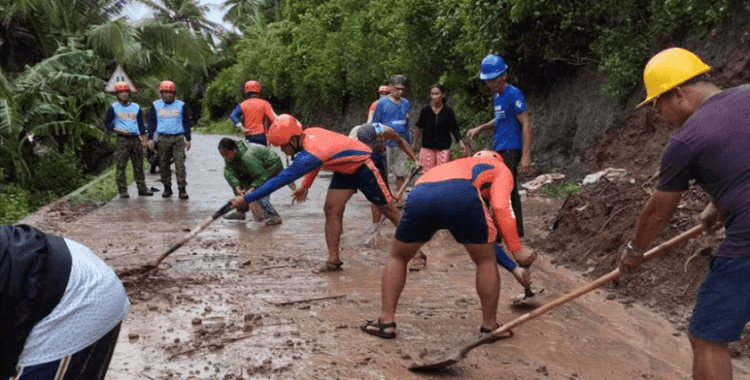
[(322, 55)]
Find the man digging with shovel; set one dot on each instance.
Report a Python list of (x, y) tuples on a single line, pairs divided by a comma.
[(712, 147), (317, 148), (454, 196)]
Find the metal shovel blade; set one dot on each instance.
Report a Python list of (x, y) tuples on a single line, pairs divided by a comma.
[(455, 355), (527, 294)]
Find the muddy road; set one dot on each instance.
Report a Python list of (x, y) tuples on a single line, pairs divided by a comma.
[(235, 302)]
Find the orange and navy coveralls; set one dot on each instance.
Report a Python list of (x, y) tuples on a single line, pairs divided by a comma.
[(253, 111), (323, 149), (454, 196)]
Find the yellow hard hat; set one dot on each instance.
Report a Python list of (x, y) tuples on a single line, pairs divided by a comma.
[(669, 69)]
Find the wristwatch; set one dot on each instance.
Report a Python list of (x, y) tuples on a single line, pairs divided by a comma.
[(632, 251)]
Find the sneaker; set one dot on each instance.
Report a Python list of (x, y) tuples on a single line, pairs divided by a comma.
[(235, 216)]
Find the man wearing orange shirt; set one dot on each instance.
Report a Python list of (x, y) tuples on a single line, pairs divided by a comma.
[(317, 148), (469, 197), (256, 113)]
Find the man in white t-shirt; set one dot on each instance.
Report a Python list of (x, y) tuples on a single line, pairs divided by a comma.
[(61, 308)]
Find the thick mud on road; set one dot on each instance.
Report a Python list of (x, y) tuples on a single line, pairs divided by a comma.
[(239, 300)]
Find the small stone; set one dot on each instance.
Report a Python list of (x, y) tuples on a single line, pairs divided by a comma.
[(177, 340), (277, 334), (406, 357), (153, 308), (289, 343), (610, 296), (196, 321), (133, 335), (676, 333), (208, 309)]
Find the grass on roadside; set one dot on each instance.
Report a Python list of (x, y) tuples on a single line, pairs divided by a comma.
[(104, 188), (222, 127), (561, 190)]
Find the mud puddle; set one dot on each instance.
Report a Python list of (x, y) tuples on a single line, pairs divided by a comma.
[(240, 300)]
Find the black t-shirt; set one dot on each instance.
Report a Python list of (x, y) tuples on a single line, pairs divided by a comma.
[(437, 128)]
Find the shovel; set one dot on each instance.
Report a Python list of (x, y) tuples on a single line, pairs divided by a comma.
[(149, 267), (373, 229), (457, 354), (528, 293)]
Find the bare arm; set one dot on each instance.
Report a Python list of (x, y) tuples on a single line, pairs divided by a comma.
[(391, 135), (525, 120), (654, 216), (486, 127), (417, 135)]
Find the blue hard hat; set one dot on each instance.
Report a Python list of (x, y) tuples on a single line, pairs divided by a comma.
[(492, 67)]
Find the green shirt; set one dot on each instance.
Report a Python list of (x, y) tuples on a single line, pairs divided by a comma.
[(252, 165)]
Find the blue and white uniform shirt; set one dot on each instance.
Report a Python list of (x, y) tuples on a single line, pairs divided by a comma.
[(395, 116), (508, 133)]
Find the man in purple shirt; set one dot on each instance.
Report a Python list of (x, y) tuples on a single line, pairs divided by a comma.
[(711, 147)]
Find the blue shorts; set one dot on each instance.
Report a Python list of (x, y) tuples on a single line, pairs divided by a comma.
[(722, 305), (381, 164), (258, 139), (453, 205), (366, 179)]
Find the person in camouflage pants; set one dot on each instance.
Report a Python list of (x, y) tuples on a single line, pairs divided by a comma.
[(247, 166), (126, 120), (170, 118)]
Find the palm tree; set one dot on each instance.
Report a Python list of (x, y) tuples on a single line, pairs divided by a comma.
[(244, 13), (186, 12)]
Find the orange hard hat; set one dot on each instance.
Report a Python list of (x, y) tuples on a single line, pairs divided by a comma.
[(283, 129), (121, 86), (490, 154), (167, 85), (384, 89), (252, 86)]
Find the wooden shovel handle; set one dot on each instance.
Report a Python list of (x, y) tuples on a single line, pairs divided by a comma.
[(596, 284)]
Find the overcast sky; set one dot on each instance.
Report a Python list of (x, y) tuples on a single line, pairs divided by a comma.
[(136, 11)]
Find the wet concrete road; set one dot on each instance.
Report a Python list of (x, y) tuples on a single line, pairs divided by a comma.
[(214, 309)]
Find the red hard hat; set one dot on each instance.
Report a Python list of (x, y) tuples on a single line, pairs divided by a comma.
[(283, 129), (386, 89), (167, 85), (252, 86), (490, 154), (121, 86)]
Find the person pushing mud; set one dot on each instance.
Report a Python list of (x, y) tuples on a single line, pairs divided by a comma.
[(455, 196), (711, 147)]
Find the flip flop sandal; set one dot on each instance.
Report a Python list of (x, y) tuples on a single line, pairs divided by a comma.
[(329, 266), (378, 329), (418, 263)]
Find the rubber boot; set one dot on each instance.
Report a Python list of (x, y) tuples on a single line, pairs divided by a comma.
[(167, 192), (183, 193)]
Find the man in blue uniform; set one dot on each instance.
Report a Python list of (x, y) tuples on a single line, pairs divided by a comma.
[(511, 126), (126, 120), (170, 118)]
